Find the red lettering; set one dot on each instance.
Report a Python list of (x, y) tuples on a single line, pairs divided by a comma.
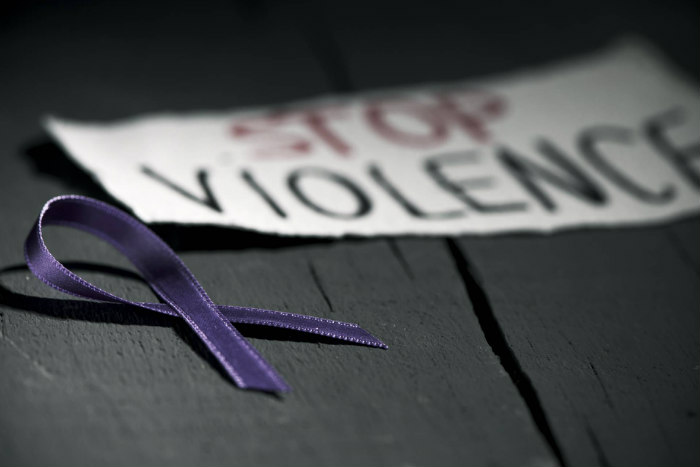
[(297, 133), (436, 127), (318, 124), (470, 111), (268, 140)]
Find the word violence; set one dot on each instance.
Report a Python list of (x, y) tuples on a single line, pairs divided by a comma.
[(592, 176)]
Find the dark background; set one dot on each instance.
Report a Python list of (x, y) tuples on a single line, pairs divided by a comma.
[(575, 349)]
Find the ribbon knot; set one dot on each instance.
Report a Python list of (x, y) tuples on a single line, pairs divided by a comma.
[(170, 279)]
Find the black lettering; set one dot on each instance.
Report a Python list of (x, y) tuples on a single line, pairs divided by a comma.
[(573, 181), (202, 176), (588, 143), (681, 158), (364, 205), (459, 188), (410, 207), (248, 177)]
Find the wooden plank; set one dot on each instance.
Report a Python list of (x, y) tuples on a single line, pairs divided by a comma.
[(605, 325)]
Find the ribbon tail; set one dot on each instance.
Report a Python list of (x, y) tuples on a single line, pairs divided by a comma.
[(310, 324), (339, 330)]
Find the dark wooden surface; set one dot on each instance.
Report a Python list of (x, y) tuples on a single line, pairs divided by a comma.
[(575, 349)]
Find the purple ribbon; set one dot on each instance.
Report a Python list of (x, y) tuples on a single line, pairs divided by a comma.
[(176, 285)]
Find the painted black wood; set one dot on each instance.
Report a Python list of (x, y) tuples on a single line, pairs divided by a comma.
[(573, 349)]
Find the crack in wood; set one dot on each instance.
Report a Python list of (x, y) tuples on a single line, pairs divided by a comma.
[(496, 339), (400, 258), (319, 286), (608, 399), (681, 251), (600, 454), (324, 47)]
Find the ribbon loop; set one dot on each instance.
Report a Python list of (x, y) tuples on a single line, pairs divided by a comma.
[(176, 285)]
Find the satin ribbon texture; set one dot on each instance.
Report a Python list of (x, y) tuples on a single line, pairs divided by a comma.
[(175, 284)]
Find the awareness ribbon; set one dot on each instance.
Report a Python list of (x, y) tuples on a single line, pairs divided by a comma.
[(168, 276)]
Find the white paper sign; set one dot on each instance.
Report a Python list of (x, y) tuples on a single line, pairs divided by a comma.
[(609, 139)]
